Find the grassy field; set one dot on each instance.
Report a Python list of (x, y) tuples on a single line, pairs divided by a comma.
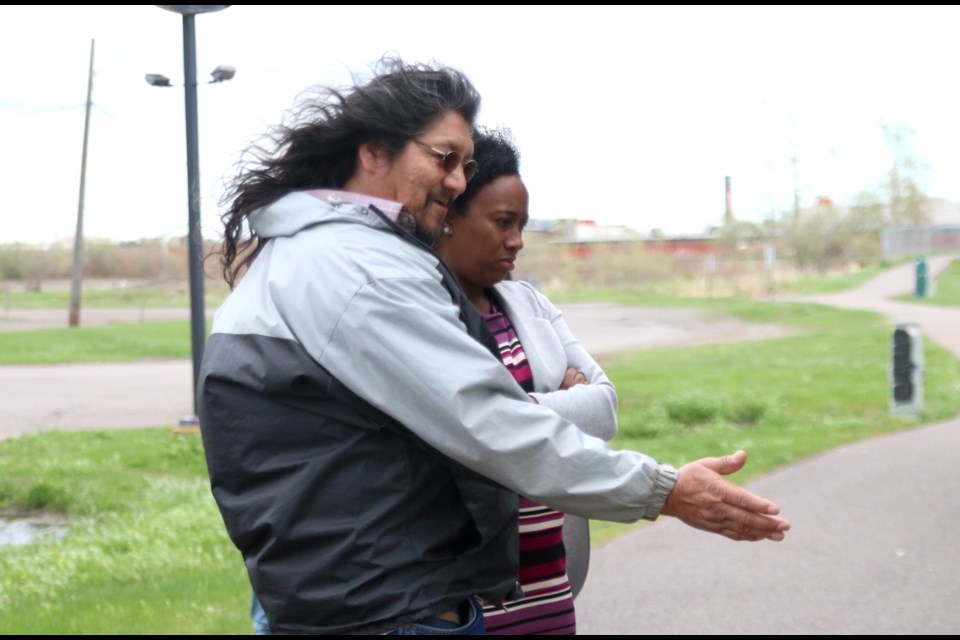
[(113, 295), (814, 286), (124, 342), (147, 553)]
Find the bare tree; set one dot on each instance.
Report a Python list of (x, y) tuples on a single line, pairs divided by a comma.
[(908, 204)]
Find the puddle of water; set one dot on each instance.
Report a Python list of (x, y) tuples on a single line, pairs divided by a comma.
[(21, 530)]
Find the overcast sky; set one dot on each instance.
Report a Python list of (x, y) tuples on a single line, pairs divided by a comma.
[(623, 115)]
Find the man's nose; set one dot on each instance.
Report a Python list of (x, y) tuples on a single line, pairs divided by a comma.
[(456, 181)]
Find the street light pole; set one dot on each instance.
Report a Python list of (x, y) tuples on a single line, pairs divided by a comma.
[(198, 325)]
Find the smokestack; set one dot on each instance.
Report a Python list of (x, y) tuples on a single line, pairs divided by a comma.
[(728, 212)]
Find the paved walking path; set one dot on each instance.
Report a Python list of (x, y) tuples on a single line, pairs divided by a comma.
[(873, 550)]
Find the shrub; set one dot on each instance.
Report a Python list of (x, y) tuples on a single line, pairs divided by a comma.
[(693, 409), (745, 411)]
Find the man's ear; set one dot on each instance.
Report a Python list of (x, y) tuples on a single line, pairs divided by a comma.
[(372, 157)]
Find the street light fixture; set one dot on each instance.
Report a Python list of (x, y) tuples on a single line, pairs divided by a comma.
[(220, 74), (198, 326), (158, 80)]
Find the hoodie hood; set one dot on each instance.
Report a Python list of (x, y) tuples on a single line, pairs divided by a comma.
[(296, 211)]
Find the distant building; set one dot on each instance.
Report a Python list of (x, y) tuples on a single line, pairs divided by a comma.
[(582, 235), (588, 231), (683, 245)]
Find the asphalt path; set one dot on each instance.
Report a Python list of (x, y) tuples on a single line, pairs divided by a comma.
[(873, 548)]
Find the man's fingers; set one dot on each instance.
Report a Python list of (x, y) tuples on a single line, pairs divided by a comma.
[(748, 501), (731, 516), (736, 517), (726, 465), (750, 536), (706, 500), (751, 528), (743, 525)]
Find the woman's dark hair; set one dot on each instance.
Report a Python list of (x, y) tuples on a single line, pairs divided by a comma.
[(496, 155), (316, 147)]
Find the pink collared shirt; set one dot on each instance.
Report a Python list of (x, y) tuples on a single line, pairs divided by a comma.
[(389, 208)]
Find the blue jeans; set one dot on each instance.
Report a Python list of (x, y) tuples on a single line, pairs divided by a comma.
[(259, 617), (424, 627), (436, 627)]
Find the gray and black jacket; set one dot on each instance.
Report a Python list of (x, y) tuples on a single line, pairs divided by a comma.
[(364, 441)]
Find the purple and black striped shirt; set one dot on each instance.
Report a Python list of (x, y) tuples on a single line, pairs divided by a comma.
[(547, 605)]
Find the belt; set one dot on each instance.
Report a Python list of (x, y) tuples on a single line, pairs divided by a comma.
[(449, 616)]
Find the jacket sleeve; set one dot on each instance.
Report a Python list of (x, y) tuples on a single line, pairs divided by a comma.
[(592, 407), (400, 345)]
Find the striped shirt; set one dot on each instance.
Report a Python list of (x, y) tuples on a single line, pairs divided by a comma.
[(547, 605)]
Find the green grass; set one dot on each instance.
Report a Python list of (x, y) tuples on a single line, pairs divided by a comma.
[(147, 552), (124, 342), (832, 284), (944, 292), (152, 296)]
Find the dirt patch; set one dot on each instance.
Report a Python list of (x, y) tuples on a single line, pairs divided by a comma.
[(605, 329)]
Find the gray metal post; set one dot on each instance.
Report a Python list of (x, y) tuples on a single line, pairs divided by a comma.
[(907, 371), (198, 324), (198, 327)]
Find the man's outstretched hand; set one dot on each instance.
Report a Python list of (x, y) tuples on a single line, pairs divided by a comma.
[(704, 499)]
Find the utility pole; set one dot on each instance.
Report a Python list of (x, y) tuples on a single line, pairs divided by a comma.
[(796, 184), (76, 283)]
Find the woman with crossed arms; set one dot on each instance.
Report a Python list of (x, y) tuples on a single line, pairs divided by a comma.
[(480, 242)]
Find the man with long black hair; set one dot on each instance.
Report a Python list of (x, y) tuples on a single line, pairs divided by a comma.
[(356, 417)]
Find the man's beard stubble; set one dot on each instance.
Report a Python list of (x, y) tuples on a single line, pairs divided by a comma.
[(430, 238)]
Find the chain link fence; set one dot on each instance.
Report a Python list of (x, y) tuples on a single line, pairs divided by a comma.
[(906, 242)]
